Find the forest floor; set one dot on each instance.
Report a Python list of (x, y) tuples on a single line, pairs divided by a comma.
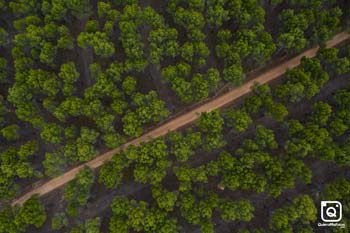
[(180, 121)]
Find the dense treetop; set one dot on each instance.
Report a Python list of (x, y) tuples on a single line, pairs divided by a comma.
[(79, 77)]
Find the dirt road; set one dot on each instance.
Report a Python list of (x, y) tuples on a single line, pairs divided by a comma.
[(183, 119)]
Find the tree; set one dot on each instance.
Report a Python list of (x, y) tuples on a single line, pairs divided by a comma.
[(85, 150), (227, 163), (4, 36), (321, 112), (10, 132), (276, 177), (338, 127), (114, 71), (79, 8), (118, 106), (252, 104), (273, 109), (195, 52), (54, 164), (265, 138), (77, 229), (213, 78), (99, 41), (211, 125), (120, 206), (85, 144), (177, 75), (31, 213), (238, 120), (332, 63), (196, 207), (151, 162), (138, 216), (148, 109), (163, 42), (66, 40), (13, 165), (28, 149), (301, 212), (279, 222), (113, 140), (339, 190), (131, 41), (69, 75), (131, 125), (111, 174), (58, 221), (183, 146), (77, 191), (52, 133), (103, 9), (254, 46), (234, 74), (216, 13), (129, 85), (93, 225), (342, 98), (295, 92), (298, 169), (106, 123), (189, 19), (292, 41), (207, 227), (72, 106), (246, 13), (303, 82), (241, 210), (276, 110), (293, 26), (200, 87), (326, 24), (3, 69), (166, 200), (224, 48), (7, 223), (117, 225), (48, 53), (306, 209)]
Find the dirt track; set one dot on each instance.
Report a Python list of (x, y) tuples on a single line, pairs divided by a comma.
[(182, 120)]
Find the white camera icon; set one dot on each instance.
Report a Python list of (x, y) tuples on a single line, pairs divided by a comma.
[(331, 211)]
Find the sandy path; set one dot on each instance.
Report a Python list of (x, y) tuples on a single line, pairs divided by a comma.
[(182, 120)]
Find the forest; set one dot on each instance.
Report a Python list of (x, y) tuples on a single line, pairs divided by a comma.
[(79, 78)]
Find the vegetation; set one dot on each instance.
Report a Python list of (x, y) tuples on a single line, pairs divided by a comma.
[(18, 219), (77, 191), (79, 77), (301, 212)]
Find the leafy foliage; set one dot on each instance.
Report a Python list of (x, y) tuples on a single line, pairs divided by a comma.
[(77, 191)]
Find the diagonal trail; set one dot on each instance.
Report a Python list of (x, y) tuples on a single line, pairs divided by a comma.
[(182, 120)]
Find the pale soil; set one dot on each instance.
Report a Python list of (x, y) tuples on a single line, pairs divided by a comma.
[(182, 120)]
